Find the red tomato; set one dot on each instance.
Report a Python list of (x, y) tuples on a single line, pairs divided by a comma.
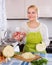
[(19, 35)]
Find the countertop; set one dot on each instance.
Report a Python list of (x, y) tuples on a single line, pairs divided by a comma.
[(18, 62)]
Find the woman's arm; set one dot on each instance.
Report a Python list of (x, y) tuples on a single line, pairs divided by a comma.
[(44, 31)]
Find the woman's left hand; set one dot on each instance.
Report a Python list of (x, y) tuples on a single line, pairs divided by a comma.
[(41, 47)]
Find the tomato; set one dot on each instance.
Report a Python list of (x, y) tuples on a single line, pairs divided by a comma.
[(19, 35)]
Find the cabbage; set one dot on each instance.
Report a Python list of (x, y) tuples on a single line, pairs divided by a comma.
[(8, 51)]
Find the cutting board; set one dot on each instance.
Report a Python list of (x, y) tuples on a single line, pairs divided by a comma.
[(19, 57)]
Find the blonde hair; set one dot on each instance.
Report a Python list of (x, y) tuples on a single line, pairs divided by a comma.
[(32, 6)]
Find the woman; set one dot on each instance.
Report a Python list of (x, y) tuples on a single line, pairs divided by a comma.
[(36, 32)]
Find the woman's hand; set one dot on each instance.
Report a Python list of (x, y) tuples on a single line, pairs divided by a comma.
[(19, 35), (41, 47)]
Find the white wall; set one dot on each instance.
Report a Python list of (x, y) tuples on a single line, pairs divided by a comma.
[(14, 23)]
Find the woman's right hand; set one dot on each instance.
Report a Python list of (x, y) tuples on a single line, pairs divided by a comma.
[(18, 35)]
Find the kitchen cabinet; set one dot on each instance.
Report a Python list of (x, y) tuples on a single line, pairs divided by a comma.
[(44, 7), (18, 8), (15, 8)]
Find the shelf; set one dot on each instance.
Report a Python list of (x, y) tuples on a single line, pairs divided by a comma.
[(27, 18)]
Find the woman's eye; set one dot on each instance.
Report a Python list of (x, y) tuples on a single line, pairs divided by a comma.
[(28, 12), (33, 12)]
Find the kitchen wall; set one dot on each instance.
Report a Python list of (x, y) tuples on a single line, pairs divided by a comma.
[(12, 24)]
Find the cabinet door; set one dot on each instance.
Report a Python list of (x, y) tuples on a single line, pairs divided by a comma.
[(44, 7), (15, 8)]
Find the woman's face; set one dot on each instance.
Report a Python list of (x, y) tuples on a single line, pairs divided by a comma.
[(32, 14)]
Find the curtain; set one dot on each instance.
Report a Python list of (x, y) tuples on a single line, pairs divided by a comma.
[(3, 21)]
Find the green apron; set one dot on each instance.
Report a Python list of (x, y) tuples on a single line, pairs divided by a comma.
[(32, 39)]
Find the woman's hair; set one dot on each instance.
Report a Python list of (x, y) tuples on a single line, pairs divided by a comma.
[(33, 6)]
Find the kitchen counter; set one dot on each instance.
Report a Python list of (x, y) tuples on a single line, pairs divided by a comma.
[(49, 57), (13, 61)]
